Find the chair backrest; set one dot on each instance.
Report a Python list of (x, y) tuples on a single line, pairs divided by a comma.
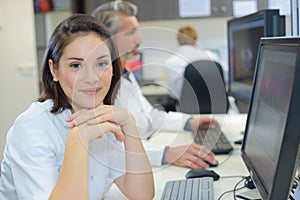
[(203, 90)]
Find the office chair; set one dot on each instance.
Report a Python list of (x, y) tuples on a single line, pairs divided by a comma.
[(203, 90)]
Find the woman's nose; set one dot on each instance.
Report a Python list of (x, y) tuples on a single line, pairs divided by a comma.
[(91, 74)]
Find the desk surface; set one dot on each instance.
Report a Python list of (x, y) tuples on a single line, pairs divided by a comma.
[(232, 165), (151, 90)]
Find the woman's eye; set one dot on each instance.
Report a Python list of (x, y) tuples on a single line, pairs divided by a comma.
[(75, 65), (102, 64)]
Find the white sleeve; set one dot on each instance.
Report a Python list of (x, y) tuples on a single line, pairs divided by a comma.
[(161, 120), (33, 159), (117, 157), (148, 119), (168, 121)]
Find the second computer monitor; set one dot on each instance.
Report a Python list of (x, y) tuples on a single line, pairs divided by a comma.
[(244, 34)]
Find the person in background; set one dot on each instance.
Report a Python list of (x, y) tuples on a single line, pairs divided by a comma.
[(69, 144), (187, 52), (120, 18)]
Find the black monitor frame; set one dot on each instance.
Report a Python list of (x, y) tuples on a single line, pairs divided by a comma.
[(272, 24), (288, 158)]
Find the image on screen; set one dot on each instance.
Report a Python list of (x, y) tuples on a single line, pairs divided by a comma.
[(245, 48)]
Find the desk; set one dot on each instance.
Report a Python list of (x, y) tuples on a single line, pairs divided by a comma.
[(232, 125), (154, 89)]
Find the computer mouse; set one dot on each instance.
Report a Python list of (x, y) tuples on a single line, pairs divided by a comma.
[(211, 164), (199, 173)]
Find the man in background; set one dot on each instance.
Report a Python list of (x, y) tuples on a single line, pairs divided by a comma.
[(120, 18)]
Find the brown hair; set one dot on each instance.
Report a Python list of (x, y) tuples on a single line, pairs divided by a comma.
[(187, 36), (65, 32)]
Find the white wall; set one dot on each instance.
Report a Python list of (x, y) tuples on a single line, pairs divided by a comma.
[(159, 39), (18, 77)]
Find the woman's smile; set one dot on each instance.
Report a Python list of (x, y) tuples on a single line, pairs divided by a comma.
[(90, 91)]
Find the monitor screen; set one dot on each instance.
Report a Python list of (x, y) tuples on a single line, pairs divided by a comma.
[(243, 39), (271, 136)]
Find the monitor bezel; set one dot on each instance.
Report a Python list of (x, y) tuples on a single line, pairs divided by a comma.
[(289, 153)]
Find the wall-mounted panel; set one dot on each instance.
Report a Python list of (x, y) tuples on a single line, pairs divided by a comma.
[(166, 9)]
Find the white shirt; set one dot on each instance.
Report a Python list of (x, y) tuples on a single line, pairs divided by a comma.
[(176, 64), (34, 154), (148, 119)]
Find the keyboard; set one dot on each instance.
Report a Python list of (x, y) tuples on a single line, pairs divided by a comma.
[(190, 189), (214, 139)]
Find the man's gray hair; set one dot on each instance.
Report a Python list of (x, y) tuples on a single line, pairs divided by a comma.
[(109, 13)]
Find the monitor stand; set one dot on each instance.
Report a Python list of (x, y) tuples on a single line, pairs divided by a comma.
[(250, 195)]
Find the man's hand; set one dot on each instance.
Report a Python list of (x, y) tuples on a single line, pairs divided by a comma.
[(203, 122), (192, 156)]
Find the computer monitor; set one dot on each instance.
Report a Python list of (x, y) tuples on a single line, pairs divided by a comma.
[(271, 140), (244, 34)]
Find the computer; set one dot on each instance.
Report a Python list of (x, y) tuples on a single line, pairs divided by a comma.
[(243, 39), (270, 147), (272, 133)]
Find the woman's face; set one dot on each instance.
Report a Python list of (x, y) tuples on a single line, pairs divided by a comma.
[(84, 71)]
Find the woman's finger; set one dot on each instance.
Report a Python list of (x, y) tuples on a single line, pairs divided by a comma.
[(84, 115), (97, 131)]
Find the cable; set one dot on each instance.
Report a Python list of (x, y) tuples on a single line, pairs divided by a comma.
[(234, 176), (235, 187), (229, 192), (224, 194), (294, 186)]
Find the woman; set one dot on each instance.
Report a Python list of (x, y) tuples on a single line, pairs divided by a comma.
[(70, 143)]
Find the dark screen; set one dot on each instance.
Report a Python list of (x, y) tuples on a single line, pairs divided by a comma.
[(269, 110), (243, 42)]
